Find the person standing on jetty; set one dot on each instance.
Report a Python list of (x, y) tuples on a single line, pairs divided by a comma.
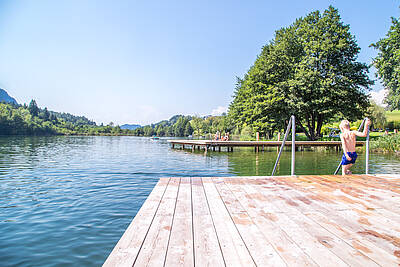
[(348, 139)]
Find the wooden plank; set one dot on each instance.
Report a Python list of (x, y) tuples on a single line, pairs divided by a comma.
[(127, 248), (154, 248), (206, 244), (292, 221), (233, 248), (317, 207), (354, 192), (339, 247), (262, 252), (308, 243), (385, 218), (267, 223), (180, 247)]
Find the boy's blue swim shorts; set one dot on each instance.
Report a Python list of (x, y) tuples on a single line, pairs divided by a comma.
[(352, 155)]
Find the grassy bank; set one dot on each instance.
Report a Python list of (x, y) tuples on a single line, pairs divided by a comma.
[(393, 115)]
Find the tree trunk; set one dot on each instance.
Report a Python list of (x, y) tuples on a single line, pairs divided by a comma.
[(304, 130), (320, 121)]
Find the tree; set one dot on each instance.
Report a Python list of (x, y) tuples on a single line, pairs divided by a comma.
[(33, 108), (387, 64), (309, 70), (197, 124), (46, 114), (188, 129), (377, 115)]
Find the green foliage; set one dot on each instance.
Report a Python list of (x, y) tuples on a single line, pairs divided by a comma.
[(388, 63), (33, 108), (31, 120), (181, 126), (198, 126), (388, 143), (310, 70), (247, 133), (377, 114), (178, 125)]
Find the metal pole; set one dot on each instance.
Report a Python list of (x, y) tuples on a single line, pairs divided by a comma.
[(283, 144), (367, 153), (340, 163), (293, 143)]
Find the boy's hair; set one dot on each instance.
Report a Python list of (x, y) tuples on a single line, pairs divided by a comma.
[(345, 124)]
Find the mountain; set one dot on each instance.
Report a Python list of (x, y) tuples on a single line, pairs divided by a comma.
[(130, 126), (4, 97)]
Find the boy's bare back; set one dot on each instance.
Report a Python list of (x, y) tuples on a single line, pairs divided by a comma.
[(348, 137), (348, 141)]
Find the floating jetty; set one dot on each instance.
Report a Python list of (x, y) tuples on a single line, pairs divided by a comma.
[(258, 145), (313, 220)]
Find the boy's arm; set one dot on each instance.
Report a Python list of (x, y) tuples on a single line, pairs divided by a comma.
[(365, 132), (344, 148)]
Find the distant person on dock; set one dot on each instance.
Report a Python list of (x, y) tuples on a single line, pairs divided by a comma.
[(348, 139), (217, 136), (226, 137)]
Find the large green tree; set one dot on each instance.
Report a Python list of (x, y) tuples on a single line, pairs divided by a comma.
[(388, 64), (310, 70)]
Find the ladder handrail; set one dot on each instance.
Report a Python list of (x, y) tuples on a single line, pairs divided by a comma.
[(290, 124)]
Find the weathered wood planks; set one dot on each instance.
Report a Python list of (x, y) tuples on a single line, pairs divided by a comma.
[(266, 221)]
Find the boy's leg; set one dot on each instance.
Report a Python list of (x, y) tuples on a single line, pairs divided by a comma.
[(348, 169), (344, 169)]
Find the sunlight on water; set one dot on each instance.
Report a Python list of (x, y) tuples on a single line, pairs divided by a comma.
[(67, 200)]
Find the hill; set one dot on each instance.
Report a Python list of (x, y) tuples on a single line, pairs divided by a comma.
[(4, 97), (130, 126)]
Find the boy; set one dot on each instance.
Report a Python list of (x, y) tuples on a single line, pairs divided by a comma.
[(348, 139)]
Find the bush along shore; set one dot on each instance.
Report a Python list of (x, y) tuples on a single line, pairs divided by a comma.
[(387, 143)]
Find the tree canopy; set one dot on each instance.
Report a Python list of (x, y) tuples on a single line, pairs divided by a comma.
[(310, 70), (387, 64)]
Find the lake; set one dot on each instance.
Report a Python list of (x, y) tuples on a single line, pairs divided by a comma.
[(67, 200)]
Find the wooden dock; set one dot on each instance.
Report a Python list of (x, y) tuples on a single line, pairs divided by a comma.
[(266, 221), (260, 145)]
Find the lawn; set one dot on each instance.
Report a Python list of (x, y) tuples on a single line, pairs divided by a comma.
[(393, 115)]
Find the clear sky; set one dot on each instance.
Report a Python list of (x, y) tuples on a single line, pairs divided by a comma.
[(144, 61)]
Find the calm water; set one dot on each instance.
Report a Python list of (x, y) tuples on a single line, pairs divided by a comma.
[(67, 200)]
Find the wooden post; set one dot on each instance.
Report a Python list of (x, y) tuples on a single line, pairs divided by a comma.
[(279, 139), (173, 145), (258, 139), (219, 148), (193, 148)]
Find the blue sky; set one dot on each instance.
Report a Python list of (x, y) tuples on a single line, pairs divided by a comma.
[(144, 61)]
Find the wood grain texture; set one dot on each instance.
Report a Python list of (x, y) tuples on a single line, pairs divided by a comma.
[(314, 220)]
